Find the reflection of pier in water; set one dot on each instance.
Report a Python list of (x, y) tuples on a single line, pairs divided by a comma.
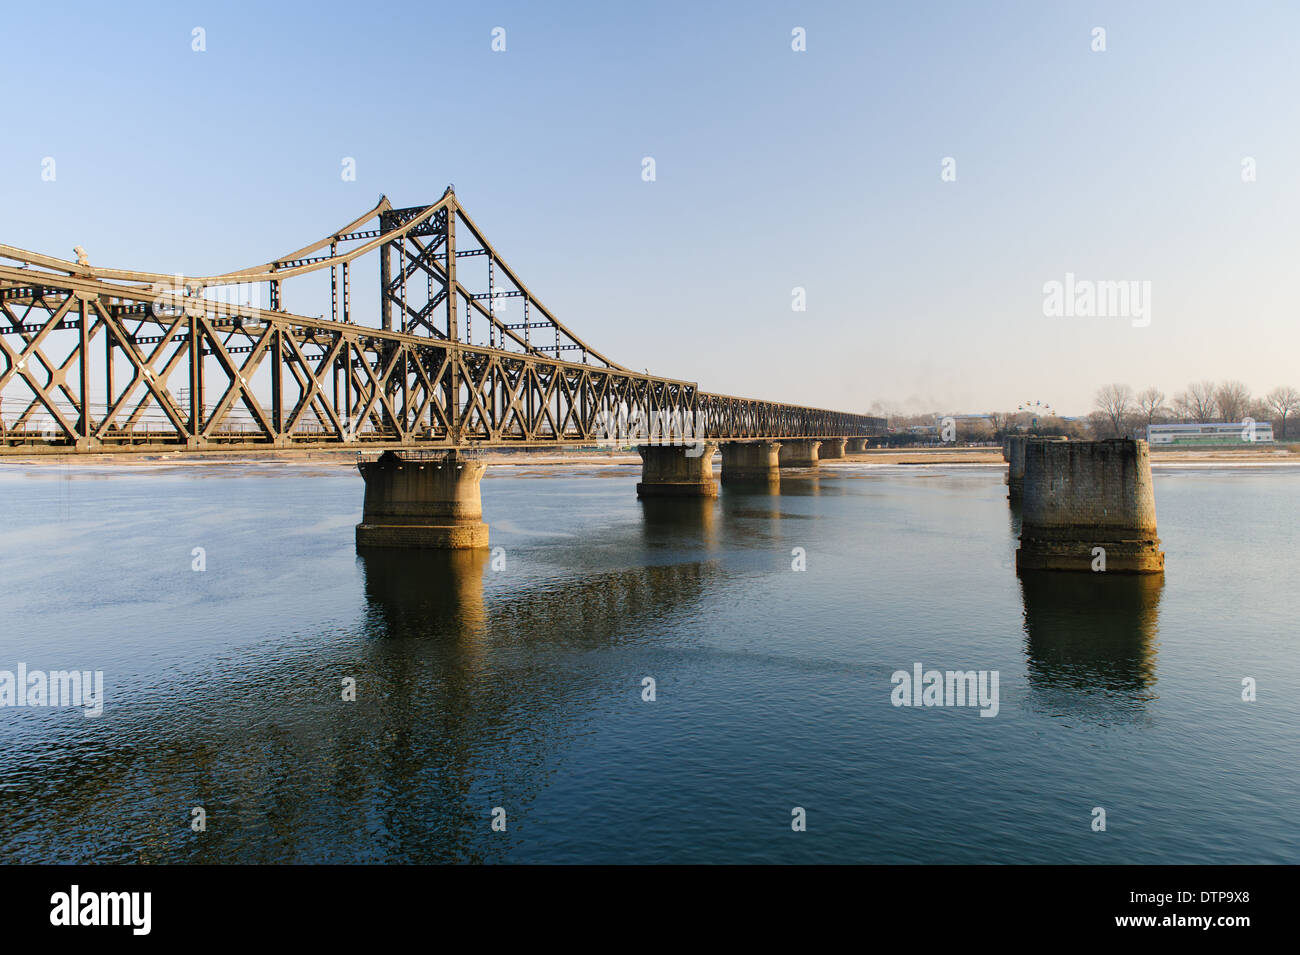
[(490, 674), (668, 521), (462, 705), (1090, 639), (1017, 522), (439, 595)]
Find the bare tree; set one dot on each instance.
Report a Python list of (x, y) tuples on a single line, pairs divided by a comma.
[(1200, 400), (1283, 401), (1077, 429), (1151, 403), (979, 429), (1000, 420), (1098, 424), (1233, 400), (1115, 402)]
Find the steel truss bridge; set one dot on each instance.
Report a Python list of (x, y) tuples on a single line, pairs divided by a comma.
[(460, 355)]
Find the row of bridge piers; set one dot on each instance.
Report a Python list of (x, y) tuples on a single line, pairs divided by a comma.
[(432, 500), (669, 471), (1085, 505)]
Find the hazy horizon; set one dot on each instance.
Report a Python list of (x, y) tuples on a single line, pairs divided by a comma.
[(775, 169)]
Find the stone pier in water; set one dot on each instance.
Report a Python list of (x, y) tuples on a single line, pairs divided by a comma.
[(422, 500), (1013, 452), (1089, 506), (799, 453), (832, 448), (668, 471), (751, 462)]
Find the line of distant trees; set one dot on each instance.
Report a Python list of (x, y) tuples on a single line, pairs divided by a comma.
[(1119, 411), (978, 429)]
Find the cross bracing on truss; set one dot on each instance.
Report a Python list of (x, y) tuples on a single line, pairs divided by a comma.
[(99, 359)]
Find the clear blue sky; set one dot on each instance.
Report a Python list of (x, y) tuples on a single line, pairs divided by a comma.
[(775, 169)]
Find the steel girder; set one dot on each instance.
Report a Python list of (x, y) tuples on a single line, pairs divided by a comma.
[(95, 360)]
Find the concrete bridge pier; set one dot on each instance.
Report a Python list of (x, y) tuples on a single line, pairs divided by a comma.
[(832, 448), (799, 453), (1013, 451), (669, 471), (1089, 506), (751, 462), (856, 446), (429, 502)]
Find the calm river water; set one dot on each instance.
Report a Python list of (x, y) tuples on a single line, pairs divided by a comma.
[(521, 686)]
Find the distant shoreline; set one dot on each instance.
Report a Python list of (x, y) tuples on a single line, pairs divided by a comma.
[(1270, 454), (545, 458)]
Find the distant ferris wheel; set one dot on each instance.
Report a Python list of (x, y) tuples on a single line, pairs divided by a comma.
[(1038, 409)]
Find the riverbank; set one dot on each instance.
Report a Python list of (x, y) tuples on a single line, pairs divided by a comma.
[(1257, 454), (599, 457)]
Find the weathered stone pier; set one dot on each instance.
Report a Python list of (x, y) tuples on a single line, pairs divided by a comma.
[(832, 448), (751, 462), (799, 453), (422, 500), (677, 471), (1089, 506), (1013, 452)]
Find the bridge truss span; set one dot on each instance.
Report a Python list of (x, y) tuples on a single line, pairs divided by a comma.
[(460, 353)]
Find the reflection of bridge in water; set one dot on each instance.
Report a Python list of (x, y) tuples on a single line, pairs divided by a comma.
[(408, 773)]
